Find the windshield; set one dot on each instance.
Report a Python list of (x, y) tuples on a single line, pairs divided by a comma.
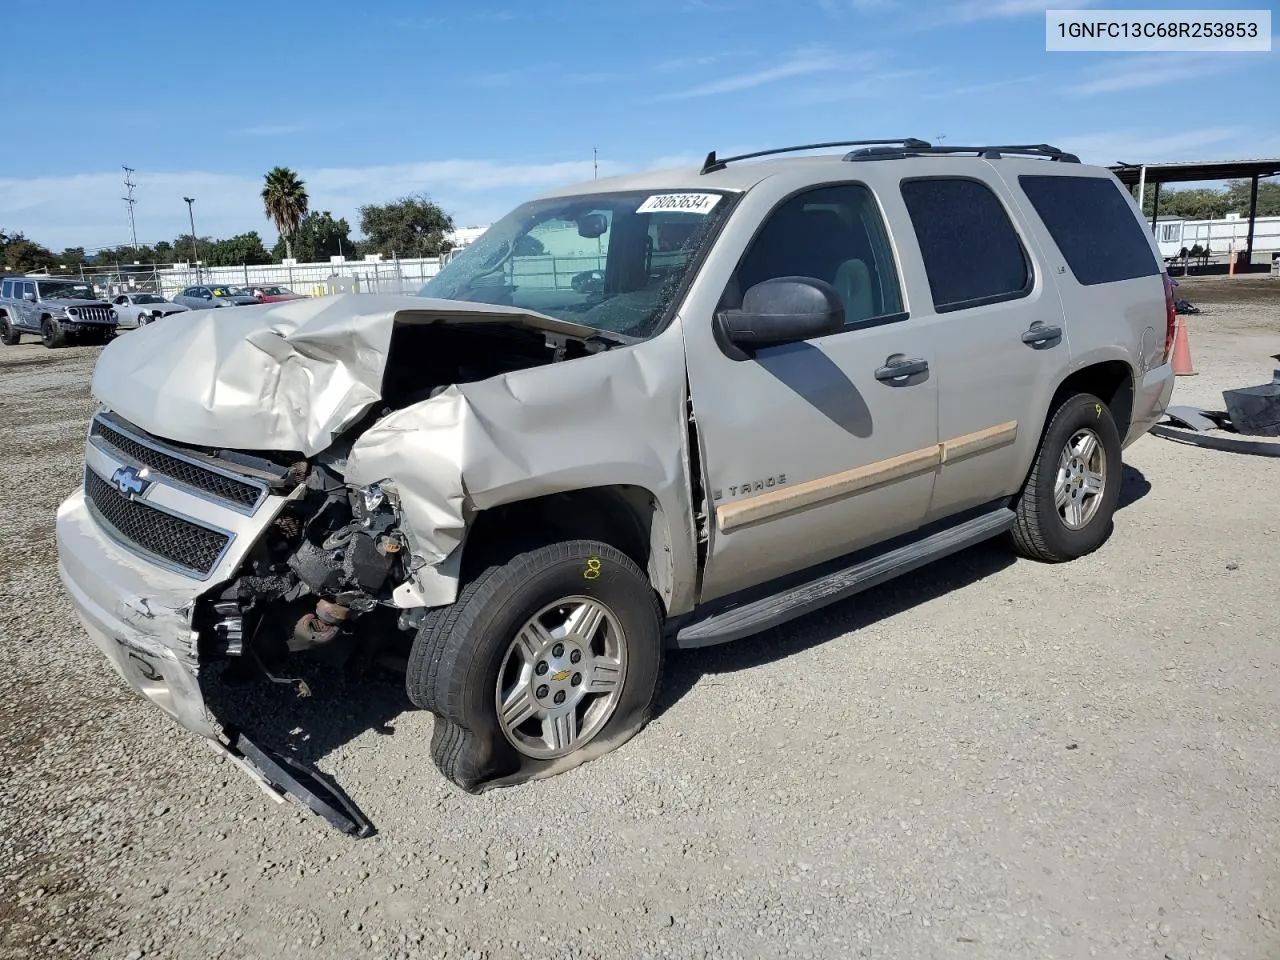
[(228, 292), (275, 291), (65, 290), (611, 261), (147, 298)]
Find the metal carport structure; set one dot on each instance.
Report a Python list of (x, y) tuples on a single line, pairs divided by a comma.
[(1138, 174)]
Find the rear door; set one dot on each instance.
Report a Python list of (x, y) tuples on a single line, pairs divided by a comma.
[(28, 312), (1002, 346)]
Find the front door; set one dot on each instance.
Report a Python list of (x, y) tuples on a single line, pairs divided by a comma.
[(813, 449), (1002, 345)]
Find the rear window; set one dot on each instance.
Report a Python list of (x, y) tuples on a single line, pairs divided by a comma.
[(972, 253), (1093, 225)]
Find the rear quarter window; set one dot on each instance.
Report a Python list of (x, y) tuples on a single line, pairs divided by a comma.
[(972, 254), (1093, 225)]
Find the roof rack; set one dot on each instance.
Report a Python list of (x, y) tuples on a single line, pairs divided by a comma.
[(714, 163), (987, 153)]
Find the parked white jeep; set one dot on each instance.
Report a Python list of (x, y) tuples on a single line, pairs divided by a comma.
[(796, 378)]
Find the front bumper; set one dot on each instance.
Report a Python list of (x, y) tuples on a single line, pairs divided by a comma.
[(137, 614)]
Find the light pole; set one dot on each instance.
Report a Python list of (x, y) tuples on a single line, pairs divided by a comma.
[(195, 247)]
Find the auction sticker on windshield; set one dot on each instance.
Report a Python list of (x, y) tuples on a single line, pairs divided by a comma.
[(680, 203)]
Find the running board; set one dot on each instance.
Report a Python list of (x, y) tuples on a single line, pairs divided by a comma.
[(756, 615)]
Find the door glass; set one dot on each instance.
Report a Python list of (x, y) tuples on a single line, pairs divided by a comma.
[(834, 234), (971, 252)]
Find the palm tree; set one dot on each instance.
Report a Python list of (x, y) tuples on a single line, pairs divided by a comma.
[(285, 199)]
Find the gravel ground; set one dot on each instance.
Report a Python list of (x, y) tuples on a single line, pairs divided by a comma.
[(993, 758)]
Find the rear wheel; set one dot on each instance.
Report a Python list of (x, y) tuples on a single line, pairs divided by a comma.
[(10, 336), (52, 333), (545, 661), (1066, 507)]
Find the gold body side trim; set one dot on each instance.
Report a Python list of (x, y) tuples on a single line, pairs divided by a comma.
[(776, 503), (980, 441)]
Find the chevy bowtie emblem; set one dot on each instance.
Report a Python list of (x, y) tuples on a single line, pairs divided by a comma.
[(130, 482)]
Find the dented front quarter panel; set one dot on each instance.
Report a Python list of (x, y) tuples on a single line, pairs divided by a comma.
[(612, 418)]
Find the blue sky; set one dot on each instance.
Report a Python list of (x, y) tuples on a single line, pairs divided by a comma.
[(483, 104)]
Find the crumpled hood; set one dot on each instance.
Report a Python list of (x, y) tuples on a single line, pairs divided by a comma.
[(275, 376)]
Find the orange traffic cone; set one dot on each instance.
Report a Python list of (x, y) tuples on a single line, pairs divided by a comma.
[(1181, 350)]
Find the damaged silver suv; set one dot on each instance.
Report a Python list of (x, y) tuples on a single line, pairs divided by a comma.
[(794, 378)]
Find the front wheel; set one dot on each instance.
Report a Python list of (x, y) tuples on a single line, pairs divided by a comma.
[(543, 662), (52, 333), (1067, 504)]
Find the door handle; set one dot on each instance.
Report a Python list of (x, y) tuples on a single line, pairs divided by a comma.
[(895, 370), (1039, 333)]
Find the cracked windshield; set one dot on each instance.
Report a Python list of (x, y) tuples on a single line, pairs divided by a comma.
[(609, 261)]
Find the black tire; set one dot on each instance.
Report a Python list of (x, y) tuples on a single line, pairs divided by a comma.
[(1040, 532), (10, 336), (458, 653), (52, 333)]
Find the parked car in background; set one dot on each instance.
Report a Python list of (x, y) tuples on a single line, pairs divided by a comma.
[(133, 310), (57, 311), (274, 294), (214, 295)]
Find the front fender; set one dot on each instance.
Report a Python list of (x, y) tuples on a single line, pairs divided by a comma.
[(614, 418)]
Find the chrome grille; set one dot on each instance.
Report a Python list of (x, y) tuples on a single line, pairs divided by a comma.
[(191, 548), (240, 494), (92, 314)]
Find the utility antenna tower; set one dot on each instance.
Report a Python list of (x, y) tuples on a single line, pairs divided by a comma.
[(129, 185), (595, 163)]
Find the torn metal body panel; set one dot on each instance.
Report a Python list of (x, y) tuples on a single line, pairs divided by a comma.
[(283, 376), (603, 420)]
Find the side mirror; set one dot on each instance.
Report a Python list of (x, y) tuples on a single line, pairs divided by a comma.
[(592, 225), (783, 310), (29, 297)]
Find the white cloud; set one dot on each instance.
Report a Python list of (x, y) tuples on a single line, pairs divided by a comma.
[(1142, 71), (971, 10), (1139, 146), (864, 86), (85, 209), (802, 63), (977, 88)]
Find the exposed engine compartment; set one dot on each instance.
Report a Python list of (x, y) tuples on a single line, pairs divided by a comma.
[(322, 575)]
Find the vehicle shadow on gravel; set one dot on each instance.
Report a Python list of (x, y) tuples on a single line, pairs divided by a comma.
[(941, 577), (341, 707), (338, 707)]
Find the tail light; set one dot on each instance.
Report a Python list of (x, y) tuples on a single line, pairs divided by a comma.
[(1171, 317)]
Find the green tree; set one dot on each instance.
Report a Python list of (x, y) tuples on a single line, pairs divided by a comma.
[(163, 252), (1268, 198), (242, 248), (72, 259), (124, 257), (25, 256), (412, 226), (319, 237), (184, 252), (285, 198)]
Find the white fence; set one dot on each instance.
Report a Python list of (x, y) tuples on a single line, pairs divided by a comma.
[(385, 276), (1217, 235)]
